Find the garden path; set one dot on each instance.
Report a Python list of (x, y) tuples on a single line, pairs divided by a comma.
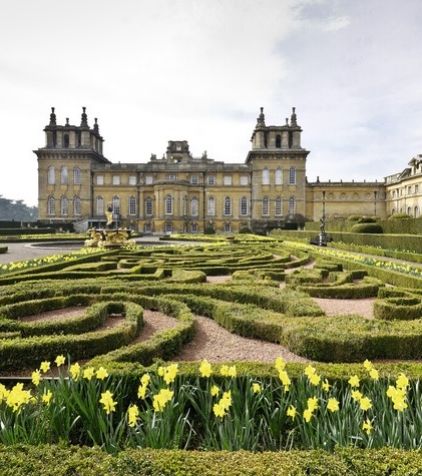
[(341, 307)]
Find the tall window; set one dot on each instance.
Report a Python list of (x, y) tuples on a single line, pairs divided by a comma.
[(63, 176), (148, 206), (278, 177), (64, 206), (168, 205), (194, 207), (278, 141), (227, 206), (265, 177), (194, 179), (100, 205), (292, 175), (66, 140), (51, 206), (132, 205), (76, 206), (265, 206), (116, 205), (116, 180), (227, 180), (211, 179), (77, 176), (51, 176), (132, 179), (194, 227), (211, 206), (292, 205), (149, 179), (278, 206), (227, 227), (416, 212), (244, 180), (244, 206), (100, 179)]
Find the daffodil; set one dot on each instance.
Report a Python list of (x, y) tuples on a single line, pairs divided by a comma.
[(107, 401), (45, 366), (333, 405), (47, 396), (374, 374), (367, 426), (279, 364), (60, 360), (314, 379), (309, 370), (75, 371), (214, 391), (161, 399), (356, 395), (205, 369), (88, 373), (325, 385), (313, 403), (133, 415), (307, 415), (354, 381), (402, 381), (36, 377), (256, 388), (365, 403), (291, 412), (101, 373)]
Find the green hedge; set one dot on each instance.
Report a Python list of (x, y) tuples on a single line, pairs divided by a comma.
[(3, 249), (46, 460), (403, 308), (367, 228)]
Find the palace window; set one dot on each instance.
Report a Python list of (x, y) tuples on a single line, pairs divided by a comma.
[(132, 179), (51, 175), (227, 180), (51, 206), (148, 206), (63, 176), (171, 178), (227, 227), (116, 205), (278, 141), (292, 176), (100, 179), (194, 207), (292, 205), (66, 141), (244, 206), (194, 179), (278, 177), (147, 228), (168, 227), (77, 176), (211, 206), (168, 205), (278, 206), (265, 177), (416, 188), (194, 227), (76, 206), (211, 179), (265, 206), (227, 206), (116, 180), (149, 179), (64, 205), (244, 180), (416, 212), (100, 206), (132, 205)]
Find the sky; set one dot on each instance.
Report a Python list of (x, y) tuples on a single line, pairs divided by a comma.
[(199, 70)]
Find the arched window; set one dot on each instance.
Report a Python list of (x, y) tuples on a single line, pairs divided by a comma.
[(292, 205), (51, 175), (77, 176), (393, 211), (148, 206), (227, 206), (66, 140), (244, 206), (132, 205), (292, 175), (100, 206), (76, 206), (194, 207), (416, 214), (51, 206), (64, 206), (168, 205), (116, 205), (278, 141), (278, 177), (265, 177), (278, 206), (265, 206), (409, 211), (63, 175), (211, 206)]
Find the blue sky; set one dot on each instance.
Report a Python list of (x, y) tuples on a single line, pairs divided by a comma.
[(200, 69)]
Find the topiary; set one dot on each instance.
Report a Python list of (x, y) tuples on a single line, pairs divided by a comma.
[(367, 228)]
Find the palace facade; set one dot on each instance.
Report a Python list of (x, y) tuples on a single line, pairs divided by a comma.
[(183, 193)]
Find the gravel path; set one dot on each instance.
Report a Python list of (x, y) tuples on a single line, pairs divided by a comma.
[(216, 344), (219, 279), (154, 322), (337, 307), (67, 313)]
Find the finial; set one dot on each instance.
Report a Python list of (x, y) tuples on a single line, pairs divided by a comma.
[(293, 118), (52, 117), (287, 121), (260, 122), (67, 121), (84, 118), (96, 128)]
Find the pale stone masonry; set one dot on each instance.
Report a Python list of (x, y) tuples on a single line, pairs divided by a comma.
[(182, 193)]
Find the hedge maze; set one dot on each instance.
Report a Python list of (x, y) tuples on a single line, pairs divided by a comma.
[(268, 295)]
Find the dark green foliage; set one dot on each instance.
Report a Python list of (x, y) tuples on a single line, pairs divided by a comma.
[(367, 228)]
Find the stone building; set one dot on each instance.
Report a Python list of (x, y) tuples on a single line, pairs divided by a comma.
[(183, 193)]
